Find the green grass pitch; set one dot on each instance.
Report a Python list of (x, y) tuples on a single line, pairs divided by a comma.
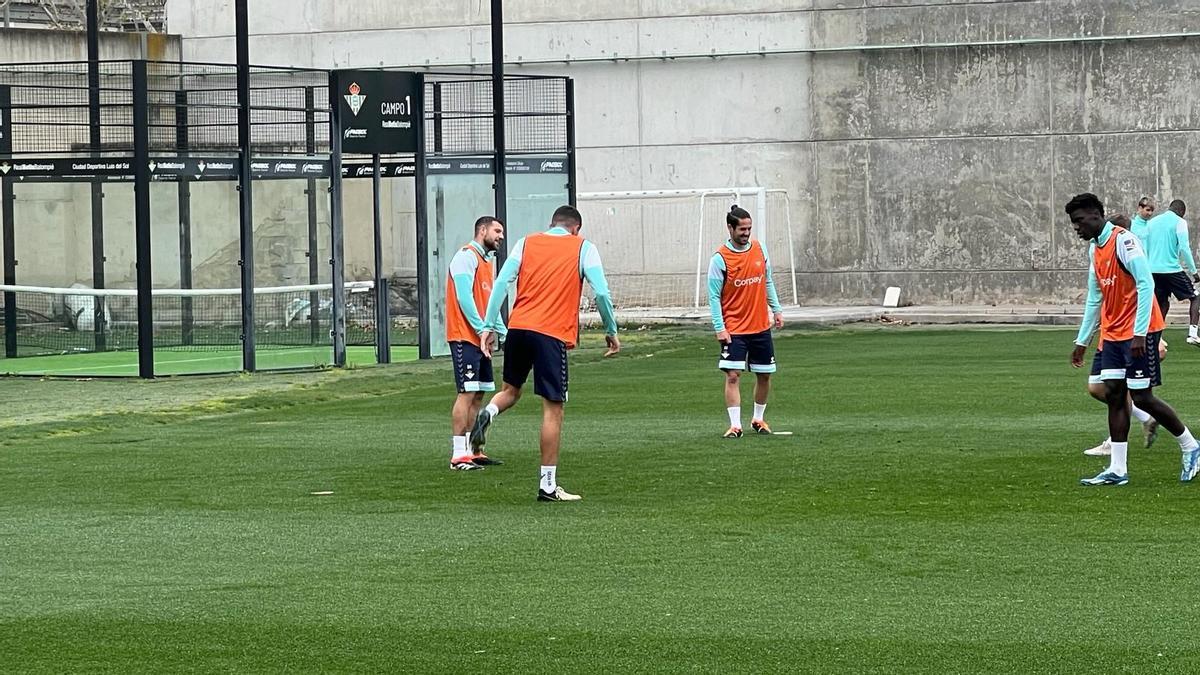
[(924, 517)]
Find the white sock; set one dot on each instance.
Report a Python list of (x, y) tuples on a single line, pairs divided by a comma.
[(735, 416), (491, 408), (1192, 331), (460, 447), (1120, 456), (549, 480), (760, 409), (1141, 415), (1186, 442)]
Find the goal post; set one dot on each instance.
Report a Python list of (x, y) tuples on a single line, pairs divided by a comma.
[(656, 244)]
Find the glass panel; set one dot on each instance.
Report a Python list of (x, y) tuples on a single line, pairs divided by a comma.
[(533, 196), (455, 202)]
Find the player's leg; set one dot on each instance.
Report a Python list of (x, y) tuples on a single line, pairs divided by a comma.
[(1096, 390), (732, 362), (518, 360), (486, 383), (466, 360), (1145, 376), (1115, 362), (761, 359), (550, 377), (1193, 337)]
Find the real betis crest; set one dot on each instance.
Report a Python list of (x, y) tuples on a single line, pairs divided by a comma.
[(355, 98)]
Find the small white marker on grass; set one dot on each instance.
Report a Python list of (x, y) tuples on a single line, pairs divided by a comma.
[(782, 433), (321, 494)]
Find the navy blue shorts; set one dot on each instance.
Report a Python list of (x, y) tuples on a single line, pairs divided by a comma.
[(1117, 363), (754, 352), (1178, 284), (1094, 375), (472, 370), (546, 356)]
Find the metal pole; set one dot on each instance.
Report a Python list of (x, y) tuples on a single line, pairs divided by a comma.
[(100, 315), (245, 183), (424, 315), (141, 208), (500, 168), (336, 231), (572, 185), (7, 229), (10, 258), (382, 340), (184, 190), (437, 118), (314, 269)]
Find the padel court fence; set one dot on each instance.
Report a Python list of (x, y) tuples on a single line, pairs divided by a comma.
[(152, 211)]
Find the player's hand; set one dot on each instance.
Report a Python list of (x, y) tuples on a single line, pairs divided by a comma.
[(778, 320), (485, 343), (1138, 346), (723, 337), (1077, 356), (614, 345)]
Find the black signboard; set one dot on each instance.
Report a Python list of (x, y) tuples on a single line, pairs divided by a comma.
[(393, 169), (379, 112), (458, 165)]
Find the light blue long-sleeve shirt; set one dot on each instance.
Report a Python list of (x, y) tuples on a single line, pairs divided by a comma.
[(1167, 243), (716, 282), (1134, 259), (589, 266)]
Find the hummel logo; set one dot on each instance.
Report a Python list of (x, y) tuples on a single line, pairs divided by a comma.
[(153, 166), (5, 168), (724, 353), (202, 166)]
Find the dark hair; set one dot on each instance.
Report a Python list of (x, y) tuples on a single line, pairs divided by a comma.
[(566, 214), (484, 221), (1178, 207), (735, 215), (1086, 200)]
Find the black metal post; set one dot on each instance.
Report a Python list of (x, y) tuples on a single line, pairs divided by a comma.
[(572, 185), (424, 313), (314, 269), (10, 257), (245, 183), (437, 118), (7, 228), (184, 188), (97, 186), (336, 231), (382, 320), (501, 164), (141, 223)]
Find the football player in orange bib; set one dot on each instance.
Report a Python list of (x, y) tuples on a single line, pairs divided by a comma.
[(549, 269), (1121, 300), (468, 285), (744, 306)]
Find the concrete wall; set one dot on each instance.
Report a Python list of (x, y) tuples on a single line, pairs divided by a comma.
[(941, 169), (24, 45)]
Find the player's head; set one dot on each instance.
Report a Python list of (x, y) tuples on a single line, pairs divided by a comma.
[(568, 218), (1086, 212), (1120, 220), (490, 232), (1146, 207), (1178, 208), (739, 223)]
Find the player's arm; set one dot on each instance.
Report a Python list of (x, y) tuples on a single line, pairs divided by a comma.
[(462, 271), (1091, 314), (1131, 255), (1185, 246), (772, 296), (716, 282), (593, 271), (508, 276)]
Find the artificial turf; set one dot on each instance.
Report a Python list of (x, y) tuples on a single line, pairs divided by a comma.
[(924, 517)]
